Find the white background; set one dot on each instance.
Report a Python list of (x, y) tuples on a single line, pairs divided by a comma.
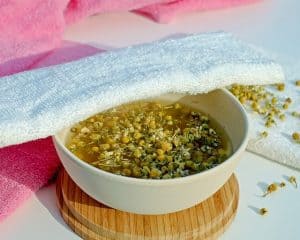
[(273, 25)]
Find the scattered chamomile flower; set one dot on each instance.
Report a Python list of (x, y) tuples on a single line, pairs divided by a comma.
[(264, 134), (282, 184), (285, 106), (282, 117), (292, 179), (259, 100), (280, 86), (296, 137), (288, 100), (271, 188), (263, 211)]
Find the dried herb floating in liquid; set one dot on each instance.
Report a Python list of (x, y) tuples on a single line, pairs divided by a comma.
[(150, 140)]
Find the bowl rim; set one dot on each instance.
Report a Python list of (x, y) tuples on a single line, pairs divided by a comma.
[(56, 139)]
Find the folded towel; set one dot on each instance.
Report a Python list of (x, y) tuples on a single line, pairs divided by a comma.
[(38, 103), (33, 26), (279, 145)]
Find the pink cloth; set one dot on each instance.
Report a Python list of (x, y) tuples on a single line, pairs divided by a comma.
[(166, 12), (27, 167), (32, 27), (28, 30)]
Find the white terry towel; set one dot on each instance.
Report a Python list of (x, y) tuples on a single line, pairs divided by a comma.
[(279, 145), (38, 103)]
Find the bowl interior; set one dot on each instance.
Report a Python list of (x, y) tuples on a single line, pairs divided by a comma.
[(219, 104)]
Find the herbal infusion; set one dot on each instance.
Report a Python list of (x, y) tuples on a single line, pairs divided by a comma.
[(150, 140)]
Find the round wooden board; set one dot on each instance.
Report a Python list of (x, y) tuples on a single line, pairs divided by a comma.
[(93, 220)]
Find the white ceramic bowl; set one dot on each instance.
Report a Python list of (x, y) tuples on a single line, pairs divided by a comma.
[(146, 196)]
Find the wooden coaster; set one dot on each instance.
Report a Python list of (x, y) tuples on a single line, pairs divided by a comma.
[(93, 220)]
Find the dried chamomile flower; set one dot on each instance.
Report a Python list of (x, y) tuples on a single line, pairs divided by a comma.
[(282, 117), (242, 99), (295, 114), (285, 106), (271, 188), (288, 100), (259, 100), (270, 122), (74, 129), (263, 211), (282, 184), (296, 137), (280, 86), (297, 83), (293, 180), (264, 134), (274, 100), (95, 149)]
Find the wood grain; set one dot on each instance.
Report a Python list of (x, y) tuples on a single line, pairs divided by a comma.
[(93, 220)]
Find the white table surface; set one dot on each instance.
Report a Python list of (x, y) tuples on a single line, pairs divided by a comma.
[(273, 25)]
